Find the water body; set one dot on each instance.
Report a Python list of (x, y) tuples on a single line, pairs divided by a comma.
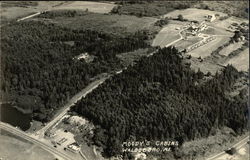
[(14, 117)]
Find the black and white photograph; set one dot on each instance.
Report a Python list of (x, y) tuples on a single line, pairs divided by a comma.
[(124, 80)]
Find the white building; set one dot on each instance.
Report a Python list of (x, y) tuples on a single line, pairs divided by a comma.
[(211, 18)]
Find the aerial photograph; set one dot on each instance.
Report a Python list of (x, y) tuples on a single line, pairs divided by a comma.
[(124, 80)]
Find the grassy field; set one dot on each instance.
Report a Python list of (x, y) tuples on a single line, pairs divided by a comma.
[(151, 9), (183, 44), (167, 35), (16, 149), (107, 23), (216, 31), (97, 7), (14, 10), (232, 47), (207, 49), (240, 62)]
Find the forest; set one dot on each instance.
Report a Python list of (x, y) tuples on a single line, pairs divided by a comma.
[(40, 73), (161, 98)]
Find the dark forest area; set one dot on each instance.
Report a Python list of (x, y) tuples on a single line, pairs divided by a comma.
[(161, 98), (39, 70)]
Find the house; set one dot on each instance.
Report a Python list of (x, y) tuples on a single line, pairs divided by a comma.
[(211, 18)]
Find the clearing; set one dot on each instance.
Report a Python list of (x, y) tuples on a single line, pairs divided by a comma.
[(168, 34), (241, 61), (232, 47), (207, 49), (96, 7), (14, 10), (183, 44), (107, 23)]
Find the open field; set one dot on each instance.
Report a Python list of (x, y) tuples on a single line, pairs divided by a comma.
[(205, 66), (89, 152), (240, 62), (207, 49), (183, 44), (107, 23), (96, 7), (15, 149), (193, 14), (216, 31), (13, 12), (232, 47), (167, 35)]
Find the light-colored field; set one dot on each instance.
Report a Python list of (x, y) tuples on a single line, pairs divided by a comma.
[(216, 31), (11, 13), (240, 62), (167, 35), (193, 14), (111, 24), (90, 154), (207, 49), (183, 44), (15, 149), (96, 7), (232, 47)]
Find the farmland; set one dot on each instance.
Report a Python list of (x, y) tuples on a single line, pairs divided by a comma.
[(119, 25), (232, 47), (12, 11), (96, 7), (241, 62)]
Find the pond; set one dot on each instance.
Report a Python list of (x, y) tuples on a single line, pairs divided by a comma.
[(14, 117)]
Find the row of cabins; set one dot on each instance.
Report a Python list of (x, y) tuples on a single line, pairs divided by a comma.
[(200, 43)]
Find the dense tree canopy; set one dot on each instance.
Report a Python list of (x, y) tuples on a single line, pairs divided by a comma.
[(160, 98), (39, 63)]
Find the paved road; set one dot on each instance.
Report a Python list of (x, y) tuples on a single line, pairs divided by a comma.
[(236, 146), (71, 102), (30, 16), (25, 136)]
